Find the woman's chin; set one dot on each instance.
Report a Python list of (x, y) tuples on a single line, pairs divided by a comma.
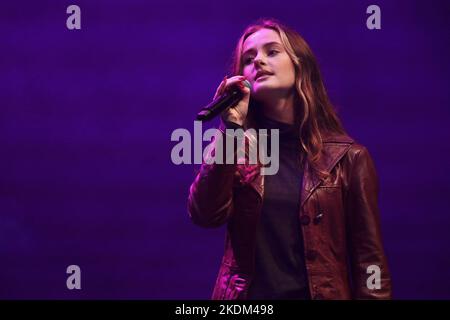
[(262, 89)]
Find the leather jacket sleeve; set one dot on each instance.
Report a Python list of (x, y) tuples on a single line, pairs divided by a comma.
[(210, 201), (366, 251)]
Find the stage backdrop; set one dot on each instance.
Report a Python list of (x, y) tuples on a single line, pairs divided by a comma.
[(86, 117)]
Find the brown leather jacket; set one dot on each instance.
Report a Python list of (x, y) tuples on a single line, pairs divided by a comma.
[(339, 219)]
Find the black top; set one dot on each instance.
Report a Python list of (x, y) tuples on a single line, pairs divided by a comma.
[(280, 271)]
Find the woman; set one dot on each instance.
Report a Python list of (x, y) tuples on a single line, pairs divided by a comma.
[(311, 230)]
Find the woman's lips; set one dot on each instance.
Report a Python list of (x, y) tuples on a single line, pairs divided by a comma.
[(262, 77)]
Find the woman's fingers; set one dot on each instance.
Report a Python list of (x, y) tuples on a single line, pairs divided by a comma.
[(226, 83), (221, 88)]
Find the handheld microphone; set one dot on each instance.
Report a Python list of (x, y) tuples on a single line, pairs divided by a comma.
[(228, 99)]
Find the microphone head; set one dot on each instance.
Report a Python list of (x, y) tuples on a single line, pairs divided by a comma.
[(247, 84)]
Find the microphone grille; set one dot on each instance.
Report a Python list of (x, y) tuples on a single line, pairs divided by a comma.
[(247, 84)]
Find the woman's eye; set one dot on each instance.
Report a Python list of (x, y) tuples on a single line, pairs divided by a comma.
[(248, 60)]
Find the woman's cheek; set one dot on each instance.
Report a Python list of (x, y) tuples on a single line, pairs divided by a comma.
[(246, 74)]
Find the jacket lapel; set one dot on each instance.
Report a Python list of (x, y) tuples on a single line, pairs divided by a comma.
[(334, 148)]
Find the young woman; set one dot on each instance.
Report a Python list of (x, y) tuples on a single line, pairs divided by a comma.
[(311, 230)]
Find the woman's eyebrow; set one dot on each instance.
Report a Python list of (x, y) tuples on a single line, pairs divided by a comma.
[(268, 44)]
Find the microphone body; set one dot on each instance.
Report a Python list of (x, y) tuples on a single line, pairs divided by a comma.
[(228, 99)]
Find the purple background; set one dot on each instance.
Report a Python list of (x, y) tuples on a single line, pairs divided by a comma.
[(86, 118)]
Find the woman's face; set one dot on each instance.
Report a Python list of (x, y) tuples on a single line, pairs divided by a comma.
[(263, 52)]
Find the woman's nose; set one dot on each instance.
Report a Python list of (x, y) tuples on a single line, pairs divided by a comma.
[(259, 61)]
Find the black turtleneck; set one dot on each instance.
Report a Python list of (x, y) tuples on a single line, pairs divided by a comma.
[(279, 266)]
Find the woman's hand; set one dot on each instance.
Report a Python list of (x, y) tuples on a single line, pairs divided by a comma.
[(238, 113)]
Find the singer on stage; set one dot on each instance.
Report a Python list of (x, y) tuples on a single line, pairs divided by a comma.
[(312, 230)]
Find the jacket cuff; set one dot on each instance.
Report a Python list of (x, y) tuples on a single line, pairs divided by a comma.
[(231, 125)]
